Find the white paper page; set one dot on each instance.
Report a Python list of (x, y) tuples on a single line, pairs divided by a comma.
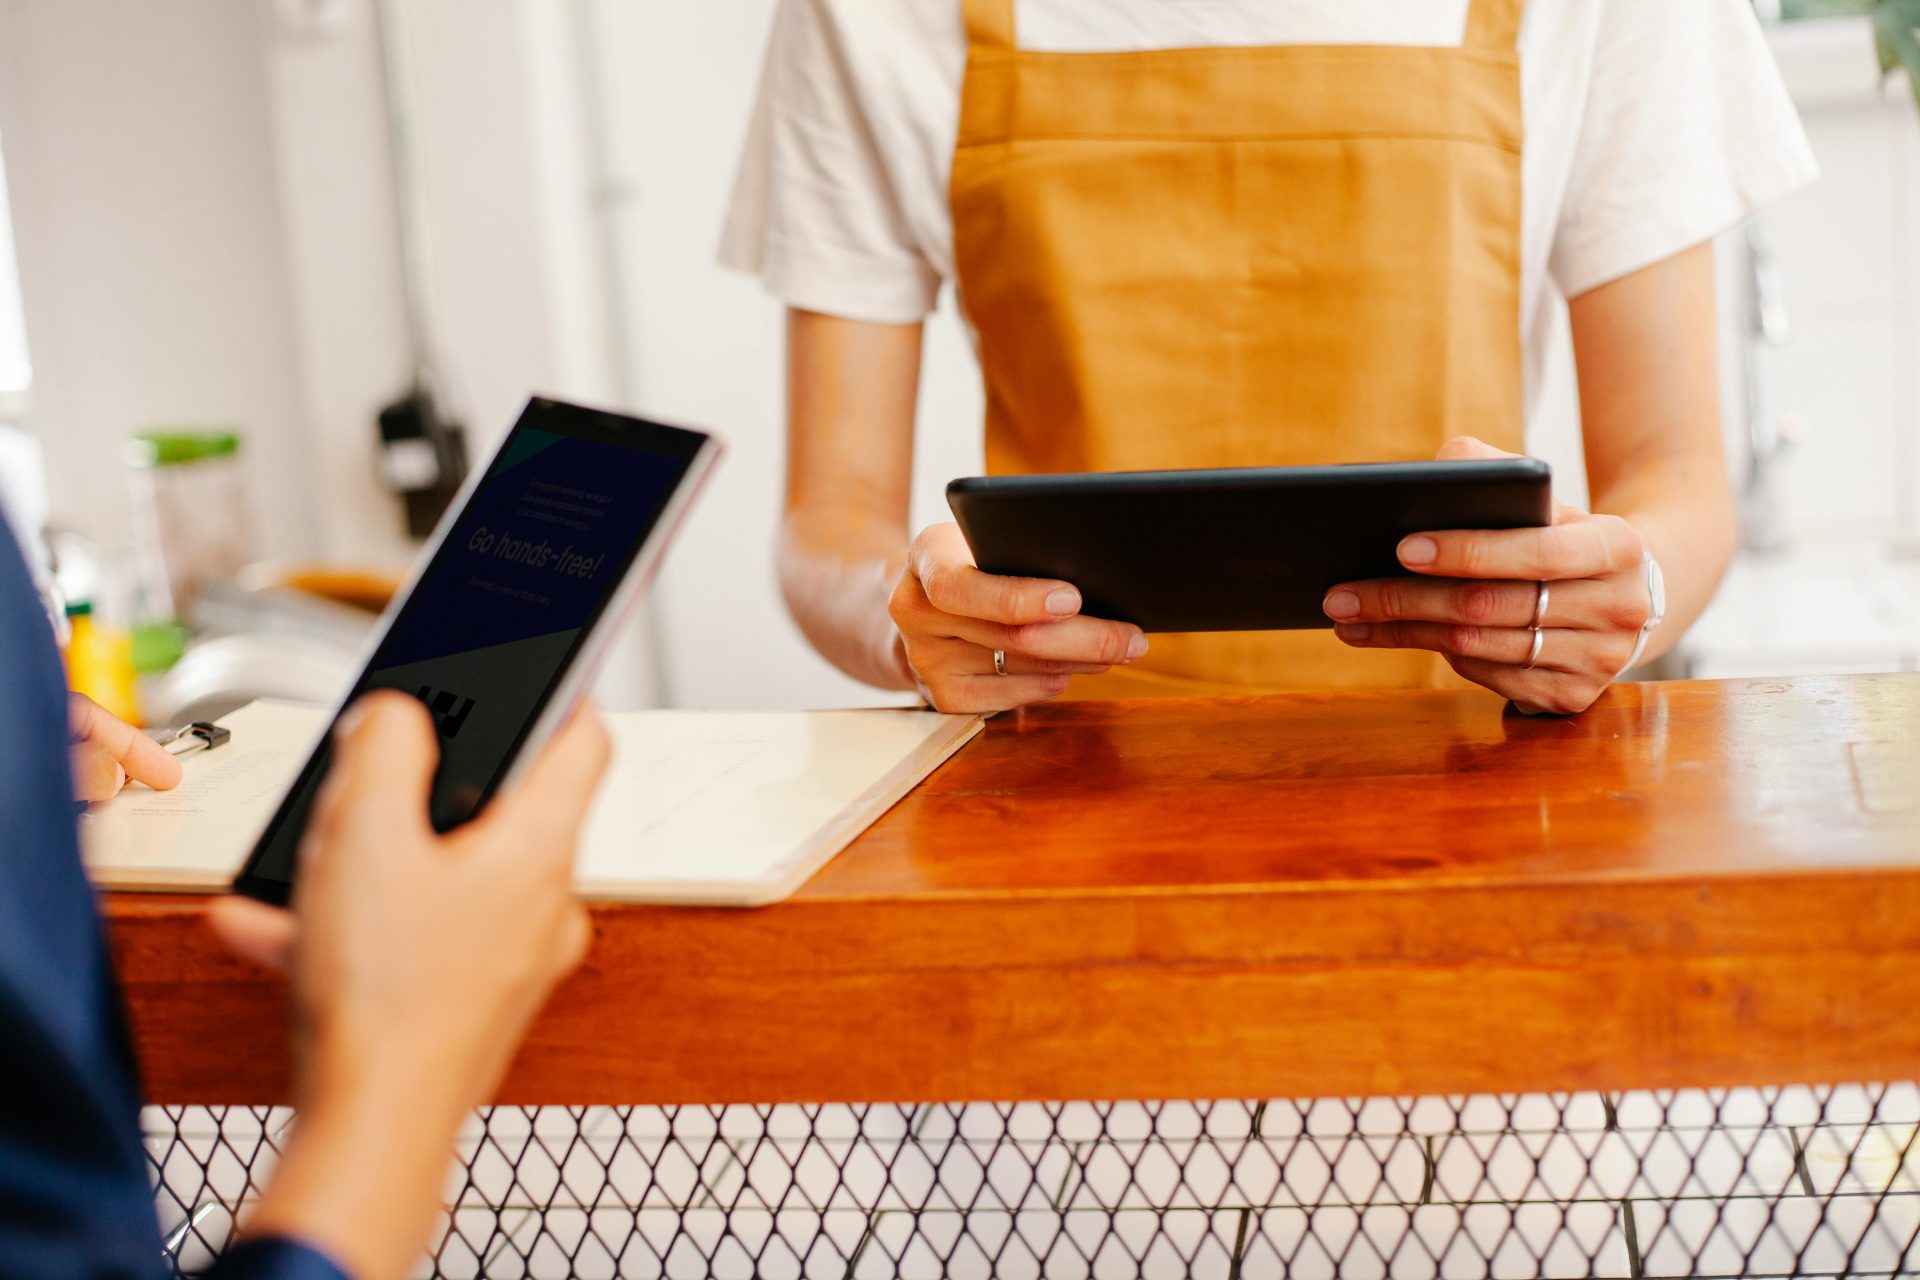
[(741, 807), (715, 807), (199, 833)]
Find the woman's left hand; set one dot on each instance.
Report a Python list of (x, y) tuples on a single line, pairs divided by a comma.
[(1474, 600)]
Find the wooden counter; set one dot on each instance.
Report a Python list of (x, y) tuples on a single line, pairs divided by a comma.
[(1708, 883)]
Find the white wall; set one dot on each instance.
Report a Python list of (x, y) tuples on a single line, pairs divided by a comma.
[(152, 263), (205, 222), (15, 364), (1841, 589), (1849, 247), (343, 259), (706, 345), (488, 98), (503, 204)]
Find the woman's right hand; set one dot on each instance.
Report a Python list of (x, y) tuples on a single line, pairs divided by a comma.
[(951, 617)]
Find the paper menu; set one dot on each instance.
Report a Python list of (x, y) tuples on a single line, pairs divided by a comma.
[(727, 807), (719, 808), (197, 835)]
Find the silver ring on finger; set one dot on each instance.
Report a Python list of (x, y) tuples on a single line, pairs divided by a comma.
[(1533, 655), (1000, 661), (1540, 605)]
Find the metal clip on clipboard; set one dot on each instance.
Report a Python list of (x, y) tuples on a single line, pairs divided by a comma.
[(183, 740)]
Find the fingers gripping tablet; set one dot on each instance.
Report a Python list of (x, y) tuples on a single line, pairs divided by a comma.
[(1249, 549)]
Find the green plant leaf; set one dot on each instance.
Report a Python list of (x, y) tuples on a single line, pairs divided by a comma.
[(1896, 37), (1883, 20)]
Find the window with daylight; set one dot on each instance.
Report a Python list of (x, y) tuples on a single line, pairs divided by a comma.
[(16, 371)]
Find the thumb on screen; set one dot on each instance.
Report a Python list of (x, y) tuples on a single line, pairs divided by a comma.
[(384, 755)]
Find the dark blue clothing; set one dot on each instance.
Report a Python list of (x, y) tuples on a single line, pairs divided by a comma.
[(75, 1202)]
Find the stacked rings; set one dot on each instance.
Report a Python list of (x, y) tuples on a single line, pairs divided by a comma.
[(1539, 619)]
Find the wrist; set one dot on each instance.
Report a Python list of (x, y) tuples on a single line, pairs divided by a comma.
[(889, 646), (361, 1175), (1655, 583), (360, 1073), (899, 673)]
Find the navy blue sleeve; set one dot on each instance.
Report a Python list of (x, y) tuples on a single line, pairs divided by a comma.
[(74, 1199), (75, 1203), (274, 1259)]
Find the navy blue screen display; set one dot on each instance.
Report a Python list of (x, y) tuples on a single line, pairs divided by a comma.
[(495, 619)]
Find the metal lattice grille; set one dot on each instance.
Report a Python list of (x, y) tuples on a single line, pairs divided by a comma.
[(1776, 1182)]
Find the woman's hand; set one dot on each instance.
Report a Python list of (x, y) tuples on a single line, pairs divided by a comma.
[(951, 617), (1474, 602), (106, 751)]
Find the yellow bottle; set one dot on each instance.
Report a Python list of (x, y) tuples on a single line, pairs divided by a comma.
[(100, 663)]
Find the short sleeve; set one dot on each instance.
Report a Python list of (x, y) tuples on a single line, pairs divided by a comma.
[(1687, 129), (814, 213)]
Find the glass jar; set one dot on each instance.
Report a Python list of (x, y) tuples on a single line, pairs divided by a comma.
[(190, 518)]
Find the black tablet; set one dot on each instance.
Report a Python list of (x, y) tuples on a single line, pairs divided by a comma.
[(512, 609), (1243, 549)]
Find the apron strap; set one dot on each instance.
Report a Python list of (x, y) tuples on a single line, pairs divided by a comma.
[(990, 24), (1491, 24)]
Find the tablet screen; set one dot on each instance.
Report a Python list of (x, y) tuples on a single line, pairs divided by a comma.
[(496, 617)]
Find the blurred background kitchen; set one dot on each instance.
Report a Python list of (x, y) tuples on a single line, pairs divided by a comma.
[(271, 269)]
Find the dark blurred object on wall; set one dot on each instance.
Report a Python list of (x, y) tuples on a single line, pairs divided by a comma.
[(423, 456)]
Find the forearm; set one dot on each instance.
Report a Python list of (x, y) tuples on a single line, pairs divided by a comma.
[(836, 575), (362, 1176), (1682, 507), (851, 389), (1648, 353)]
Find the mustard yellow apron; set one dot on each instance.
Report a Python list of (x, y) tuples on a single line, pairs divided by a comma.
[(1229, 257)]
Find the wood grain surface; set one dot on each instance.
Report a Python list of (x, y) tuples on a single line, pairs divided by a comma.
[(1698, 883)]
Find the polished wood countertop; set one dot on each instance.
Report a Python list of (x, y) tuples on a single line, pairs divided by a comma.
[(1694, 883)]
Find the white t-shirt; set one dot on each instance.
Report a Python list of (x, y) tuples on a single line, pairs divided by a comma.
[(1651, 125)]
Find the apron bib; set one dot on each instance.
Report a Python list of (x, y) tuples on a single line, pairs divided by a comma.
[(1231, 257)]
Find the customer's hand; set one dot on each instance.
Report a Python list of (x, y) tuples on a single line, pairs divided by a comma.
[(951, 617), (417, 961), (409, 945), (106, 751), (1474, 602)]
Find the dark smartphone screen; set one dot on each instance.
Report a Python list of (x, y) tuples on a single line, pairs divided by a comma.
[(495, 619)]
